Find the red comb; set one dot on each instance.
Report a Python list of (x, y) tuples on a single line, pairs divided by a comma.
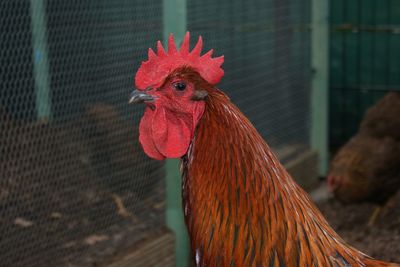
[(153, 71)]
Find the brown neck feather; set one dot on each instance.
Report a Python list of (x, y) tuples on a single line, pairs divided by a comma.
[(242, 207)]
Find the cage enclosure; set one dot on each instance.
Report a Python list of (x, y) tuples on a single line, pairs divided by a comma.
[(75, 187), (267, 48), (364, 62)]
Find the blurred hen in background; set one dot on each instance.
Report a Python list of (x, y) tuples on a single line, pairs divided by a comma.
[(367, 168)]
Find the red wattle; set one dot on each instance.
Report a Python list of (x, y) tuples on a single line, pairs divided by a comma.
[(172, 133), (145, 135), (167, 134)]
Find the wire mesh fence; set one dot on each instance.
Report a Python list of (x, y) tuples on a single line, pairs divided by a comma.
[(364, 61), (75, 186), (267, 68)]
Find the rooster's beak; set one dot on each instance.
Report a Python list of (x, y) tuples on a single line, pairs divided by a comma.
[(140, 97)]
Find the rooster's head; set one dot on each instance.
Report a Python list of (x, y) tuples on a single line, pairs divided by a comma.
[(174, 85)]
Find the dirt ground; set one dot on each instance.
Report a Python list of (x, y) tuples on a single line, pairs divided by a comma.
[(381, 241)]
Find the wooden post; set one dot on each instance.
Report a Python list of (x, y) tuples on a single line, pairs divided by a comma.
[(40, 59), (319, 94), (174, 21)]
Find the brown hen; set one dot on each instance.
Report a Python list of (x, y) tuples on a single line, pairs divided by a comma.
[(367, 168)]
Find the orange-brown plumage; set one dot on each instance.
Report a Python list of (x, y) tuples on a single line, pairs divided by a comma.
[(241, 206)]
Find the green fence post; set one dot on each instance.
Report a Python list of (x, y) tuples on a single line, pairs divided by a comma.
[(175, 219), (174, 20), (40, 59), (319, 94)]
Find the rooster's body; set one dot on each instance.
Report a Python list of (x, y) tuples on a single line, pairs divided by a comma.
[(241, 206)]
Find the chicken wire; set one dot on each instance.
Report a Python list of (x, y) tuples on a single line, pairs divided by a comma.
[(364, 61), (266, 45), (75, 187)]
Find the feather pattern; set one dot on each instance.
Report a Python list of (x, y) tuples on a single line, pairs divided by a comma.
[(241, 206)]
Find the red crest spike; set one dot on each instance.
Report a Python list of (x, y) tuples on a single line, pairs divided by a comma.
[(208, 54), (171, 45), (153, 71), (197, 48), (185, 45), (151, 54), (160, 49)]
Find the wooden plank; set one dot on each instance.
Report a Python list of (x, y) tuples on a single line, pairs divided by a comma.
[(158, 251), (304, 169)]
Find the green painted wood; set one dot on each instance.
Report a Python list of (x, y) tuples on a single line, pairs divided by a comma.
[(174, 21), (40, 59), (175, 218), (319, 94)]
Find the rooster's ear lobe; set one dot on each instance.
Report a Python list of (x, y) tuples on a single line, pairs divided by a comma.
[(199, 95)]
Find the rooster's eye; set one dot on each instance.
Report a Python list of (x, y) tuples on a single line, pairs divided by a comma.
[(180, 86)]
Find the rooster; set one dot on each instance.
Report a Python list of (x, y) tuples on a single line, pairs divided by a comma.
[(241, 206)]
